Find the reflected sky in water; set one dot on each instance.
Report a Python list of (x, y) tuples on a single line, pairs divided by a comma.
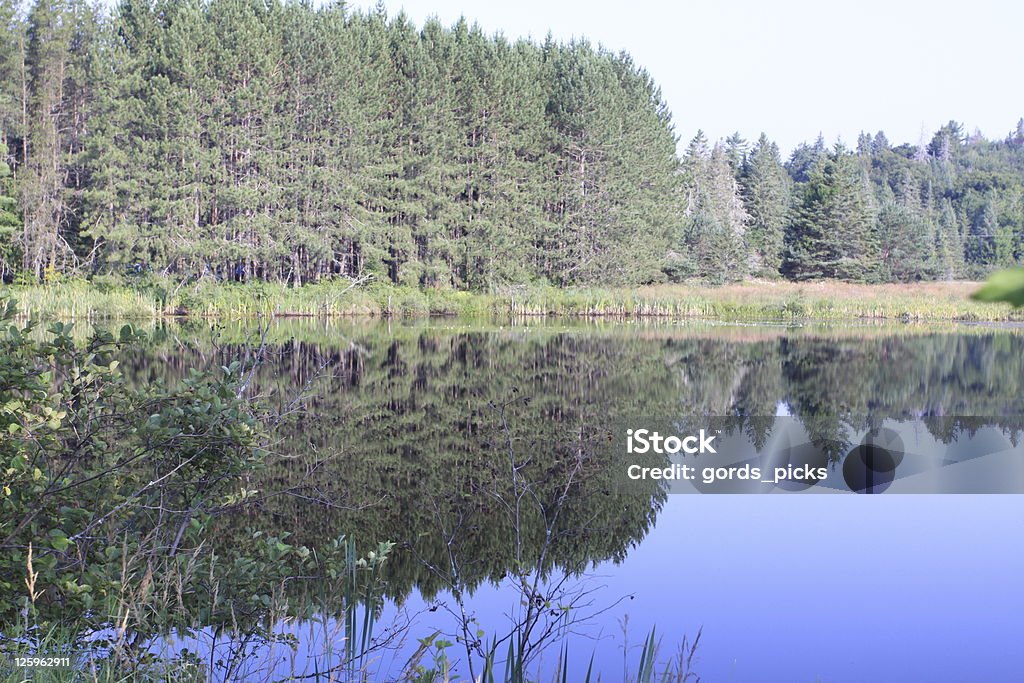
[(815, 588)]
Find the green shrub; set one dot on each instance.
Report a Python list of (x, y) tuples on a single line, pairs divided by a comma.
[(107, 494), (86, 458)]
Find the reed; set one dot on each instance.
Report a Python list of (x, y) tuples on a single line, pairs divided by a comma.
[(748, 301), (81, 300), (764, 300)]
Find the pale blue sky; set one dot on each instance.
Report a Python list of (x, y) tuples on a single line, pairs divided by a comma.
[(794, 68)]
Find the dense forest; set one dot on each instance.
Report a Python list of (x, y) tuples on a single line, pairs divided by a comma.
[(265, 140)]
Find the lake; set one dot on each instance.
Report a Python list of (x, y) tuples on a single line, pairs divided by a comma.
[(461, 444)]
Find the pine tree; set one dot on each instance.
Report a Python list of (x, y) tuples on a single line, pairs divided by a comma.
[(58, 36), (10, 220), (13, 76), (615, 172), (504, 158), (249, 140)]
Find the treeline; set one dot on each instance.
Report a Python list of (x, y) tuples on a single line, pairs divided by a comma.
[(950, 206), (265, 140), (252, 139)]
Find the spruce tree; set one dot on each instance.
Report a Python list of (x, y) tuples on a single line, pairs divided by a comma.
[(765, 189), (949, 248), (712, 243), (736, 150), (907, 244), (832, 233), (804, 159)]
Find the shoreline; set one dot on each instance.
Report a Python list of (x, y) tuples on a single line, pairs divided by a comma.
[(748, 301)]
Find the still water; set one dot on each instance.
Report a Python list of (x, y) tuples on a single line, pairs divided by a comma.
[(408, 433)]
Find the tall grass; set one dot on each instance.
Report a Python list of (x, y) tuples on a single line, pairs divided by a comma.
[(748, 301), (763, 300), (80, 300)]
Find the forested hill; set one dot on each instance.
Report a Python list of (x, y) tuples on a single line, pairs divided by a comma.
[(260, 140)]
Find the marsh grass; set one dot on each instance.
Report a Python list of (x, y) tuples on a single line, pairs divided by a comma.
[(760, 300), (81, 300), (766, 301)]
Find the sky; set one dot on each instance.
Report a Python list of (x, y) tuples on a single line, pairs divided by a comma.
[(793, 68)]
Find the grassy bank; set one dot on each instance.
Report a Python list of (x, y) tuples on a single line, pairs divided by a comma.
[(748, 301)]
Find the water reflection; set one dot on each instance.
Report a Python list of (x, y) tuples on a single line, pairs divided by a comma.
[(402, 436), (410, 433)]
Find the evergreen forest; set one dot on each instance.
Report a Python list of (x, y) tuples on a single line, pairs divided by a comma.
[(275, 141)]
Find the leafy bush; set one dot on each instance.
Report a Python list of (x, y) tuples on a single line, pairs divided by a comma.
[(96, 472), (108, 494)]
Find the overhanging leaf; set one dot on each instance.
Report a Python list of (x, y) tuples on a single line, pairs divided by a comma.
[(1004, 285)]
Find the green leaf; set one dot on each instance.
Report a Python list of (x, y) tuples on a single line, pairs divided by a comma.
[(1005, 286), (59, 540)]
